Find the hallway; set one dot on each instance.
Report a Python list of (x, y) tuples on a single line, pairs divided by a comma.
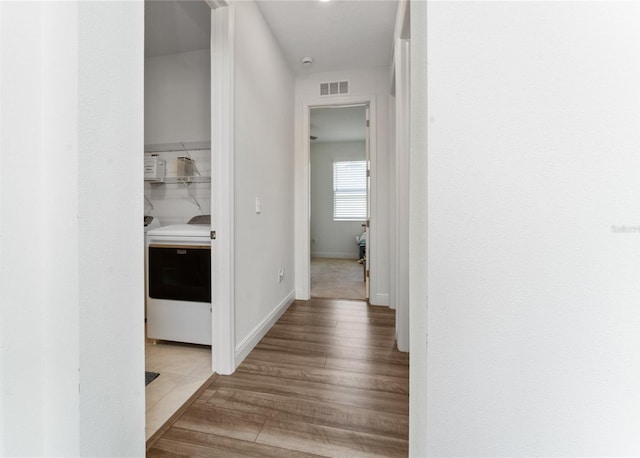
[(326, 380)]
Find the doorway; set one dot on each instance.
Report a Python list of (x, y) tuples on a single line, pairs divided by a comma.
[(339, 201), (177, 140)]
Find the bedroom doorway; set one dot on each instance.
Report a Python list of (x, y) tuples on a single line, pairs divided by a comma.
[(339, 201)]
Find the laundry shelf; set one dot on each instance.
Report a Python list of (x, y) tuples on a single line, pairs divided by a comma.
[(176, 180), (186, 181)]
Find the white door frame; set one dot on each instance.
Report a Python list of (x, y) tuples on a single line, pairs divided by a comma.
[(402, 171), (418, 218), (367, 224), (303, 215), (223, 359), (401, 85)]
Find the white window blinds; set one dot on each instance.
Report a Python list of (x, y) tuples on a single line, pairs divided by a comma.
[(349, 191)]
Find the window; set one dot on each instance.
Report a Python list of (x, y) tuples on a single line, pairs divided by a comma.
[(350, 191)]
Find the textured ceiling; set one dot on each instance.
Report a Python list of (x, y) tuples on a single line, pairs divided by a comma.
[(338, 35), (175, 26)]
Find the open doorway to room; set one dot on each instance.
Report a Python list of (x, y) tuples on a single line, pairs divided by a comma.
[(338, 153), (177, 189)]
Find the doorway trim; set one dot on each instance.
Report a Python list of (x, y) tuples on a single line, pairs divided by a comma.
[(223, 359), (402, 192), (303, 215)]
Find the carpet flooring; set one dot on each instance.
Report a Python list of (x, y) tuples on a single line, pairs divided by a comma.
[(337, 279)]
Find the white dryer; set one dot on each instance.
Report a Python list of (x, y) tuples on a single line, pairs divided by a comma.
[(179, 282)]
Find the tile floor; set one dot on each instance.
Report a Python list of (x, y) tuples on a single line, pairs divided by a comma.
[(183, 369)]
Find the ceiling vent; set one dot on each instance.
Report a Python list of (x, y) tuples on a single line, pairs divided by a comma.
[(334, 88)]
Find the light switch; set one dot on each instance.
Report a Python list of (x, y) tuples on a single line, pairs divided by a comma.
[(258, 208)]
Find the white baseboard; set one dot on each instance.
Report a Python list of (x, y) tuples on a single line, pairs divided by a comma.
[(248, 343), (301, 295), (335, 254), (379, 299)]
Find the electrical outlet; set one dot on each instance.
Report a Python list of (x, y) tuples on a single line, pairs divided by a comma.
[(280, 274)]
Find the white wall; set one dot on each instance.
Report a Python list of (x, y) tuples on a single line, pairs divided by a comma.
[(71, 340), (173, 203), (364, 83), (177, 108), (418, 220), (329, 238), (177, 92), (33, 408), (533, 318), (263, 169), (111, 294)]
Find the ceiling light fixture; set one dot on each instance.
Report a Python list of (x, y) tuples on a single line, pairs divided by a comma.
[(307, 61)]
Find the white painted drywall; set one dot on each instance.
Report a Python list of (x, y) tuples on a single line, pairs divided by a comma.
[(373, 83), (39, 350), (264, 90), (329, 238), (418, 241), (71, 295), (110, 169), (174, 203), (177, 91), (177, 108), (533, 317)]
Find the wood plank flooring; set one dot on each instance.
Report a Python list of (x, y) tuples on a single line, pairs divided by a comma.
[(326, 380)]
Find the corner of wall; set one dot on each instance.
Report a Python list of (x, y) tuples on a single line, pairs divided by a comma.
[(253, 338)]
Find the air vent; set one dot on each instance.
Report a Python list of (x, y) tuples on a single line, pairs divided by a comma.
[(334, 88)]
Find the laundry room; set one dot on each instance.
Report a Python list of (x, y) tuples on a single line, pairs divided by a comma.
[(177, 205), (177, 127)]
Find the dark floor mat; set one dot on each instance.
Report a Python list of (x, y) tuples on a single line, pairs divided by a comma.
[(149, 377)]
